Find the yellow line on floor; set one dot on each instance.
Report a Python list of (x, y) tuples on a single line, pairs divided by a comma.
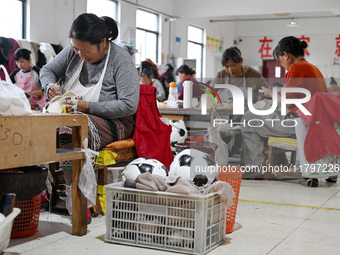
[(304, 206)]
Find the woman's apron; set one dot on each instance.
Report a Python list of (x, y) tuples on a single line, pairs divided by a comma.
[(89, 94), (28, 85), (226, 95)]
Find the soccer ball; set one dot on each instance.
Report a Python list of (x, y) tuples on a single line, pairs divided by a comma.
[(195, 166), (179, 132), (142, 165)]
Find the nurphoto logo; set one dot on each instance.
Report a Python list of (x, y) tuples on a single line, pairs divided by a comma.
[(239, 108)]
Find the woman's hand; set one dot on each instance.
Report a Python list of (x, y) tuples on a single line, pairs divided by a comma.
[(54, 91), (78, 105), (268, 92)]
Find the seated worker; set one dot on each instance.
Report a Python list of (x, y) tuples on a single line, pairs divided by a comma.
[(151, 66), (333, 87), (290, 54), (237, 74), (186, 73), (27, 78), (145, 78), (167, 77), (103, 74)]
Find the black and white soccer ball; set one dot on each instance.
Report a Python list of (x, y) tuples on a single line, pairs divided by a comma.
[(142, 165), (179, 132), (198, 167)]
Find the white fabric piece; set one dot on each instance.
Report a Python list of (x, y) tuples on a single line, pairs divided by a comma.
[(48, 51), (2, 217)]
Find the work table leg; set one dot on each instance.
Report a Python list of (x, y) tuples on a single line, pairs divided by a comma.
[(79, 203)]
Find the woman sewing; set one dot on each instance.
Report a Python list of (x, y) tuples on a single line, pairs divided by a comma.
[(103, 75)]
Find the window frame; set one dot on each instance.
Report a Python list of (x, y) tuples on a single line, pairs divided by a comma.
[(198, 43), (24, 19), (19, 33), (151, 31)]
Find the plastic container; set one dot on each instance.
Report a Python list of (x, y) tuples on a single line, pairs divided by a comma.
[(195, 138), (173, 95), (233, 176), (26, 224), (165, 221), (6, 228), (187, 94), (206, 147)]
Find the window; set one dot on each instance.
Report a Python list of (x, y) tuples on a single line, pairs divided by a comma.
[(13, 19), (195, 48), (102, 8), (147, 33)]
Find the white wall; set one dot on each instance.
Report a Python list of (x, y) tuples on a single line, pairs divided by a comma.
[(322, 45), (50, 21), (216, 8), (212, 58)]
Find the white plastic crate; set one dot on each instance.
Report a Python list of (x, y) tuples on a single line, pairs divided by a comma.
[(6, 229), (162, 220)]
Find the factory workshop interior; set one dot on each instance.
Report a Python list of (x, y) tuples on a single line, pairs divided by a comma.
[(279, 196)]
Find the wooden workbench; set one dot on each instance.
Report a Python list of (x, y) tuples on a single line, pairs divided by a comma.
[(32, 140)]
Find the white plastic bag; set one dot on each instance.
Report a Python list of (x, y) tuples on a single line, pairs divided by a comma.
[(214, 135), (13, 100), (87, 179)]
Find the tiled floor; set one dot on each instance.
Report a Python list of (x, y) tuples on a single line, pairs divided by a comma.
[(280, 216)]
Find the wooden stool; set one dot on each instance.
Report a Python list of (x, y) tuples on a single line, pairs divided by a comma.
[(126, 152), (281, 145)]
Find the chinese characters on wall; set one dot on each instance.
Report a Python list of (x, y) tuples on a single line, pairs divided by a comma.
[(266, 47)]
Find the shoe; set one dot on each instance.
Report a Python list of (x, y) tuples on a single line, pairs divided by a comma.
[(253, 172), (332, 179)]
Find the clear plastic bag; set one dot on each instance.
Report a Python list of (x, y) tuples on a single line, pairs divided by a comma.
[(214, 135), (87, 179), (13, 100)]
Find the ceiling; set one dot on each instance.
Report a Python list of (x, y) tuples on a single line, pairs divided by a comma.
[(231, 10), (278, 16)]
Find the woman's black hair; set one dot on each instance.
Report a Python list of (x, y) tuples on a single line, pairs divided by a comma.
[(333, 81), (233, 54), (290, 44), (22, 53), (145, 72), (185, 69), (90, 28)]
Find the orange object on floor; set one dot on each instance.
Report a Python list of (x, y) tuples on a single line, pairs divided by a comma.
[(233, 176), (195, 138), (26, 223)]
